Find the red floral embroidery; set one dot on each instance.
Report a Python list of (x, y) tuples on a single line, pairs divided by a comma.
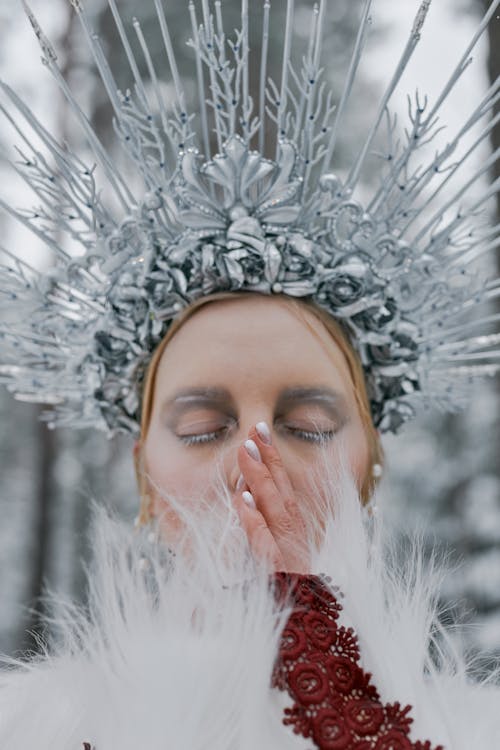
[(343, 672), (293, 639), (320, 632), (329, 730), (347, 643), (308, 683), (335, 703), (365, 717), (394, 741)]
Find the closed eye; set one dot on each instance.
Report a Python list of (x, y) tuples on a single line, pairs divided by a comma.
[(318, 436)]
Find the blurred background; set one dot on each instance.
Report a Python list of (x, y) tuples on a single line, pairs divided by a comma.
[(443, 472)]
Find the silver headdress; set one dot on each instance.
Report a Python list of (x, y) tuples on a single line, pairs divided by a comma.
[(212, 213)]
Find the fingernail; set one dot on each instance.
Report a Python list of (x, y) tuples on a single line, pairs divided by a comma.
[(264, 432), (240, 483), (252, 450), (248, 499)]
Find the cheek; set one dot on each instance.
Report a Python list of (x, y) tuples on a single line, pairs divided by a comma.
[(355, 448), (171, 466), (172, 471), (358, 452)]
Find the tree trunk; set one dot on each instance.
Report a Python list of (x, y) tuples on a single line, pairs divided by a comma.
[(494, 72), (42, 528)]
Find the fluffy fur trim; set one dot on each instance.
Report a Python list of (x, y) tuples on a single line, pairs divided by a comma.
[(175, 653)]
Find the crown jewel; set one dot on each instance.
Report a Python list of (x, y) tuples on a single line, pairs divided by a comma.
[(400, 276)]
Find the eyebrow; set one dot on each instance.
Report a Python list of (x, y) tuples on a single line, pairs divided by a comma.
[(330, 399)]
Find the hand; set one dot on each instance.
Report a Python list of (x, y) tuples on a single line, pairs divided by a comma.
[(270, 513)]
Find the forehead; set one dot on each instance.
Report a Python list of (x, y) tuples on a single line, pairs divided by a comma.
[(256, 336)]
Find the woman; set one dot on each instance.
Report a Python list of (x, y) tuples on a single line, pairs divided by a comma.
[(242, 338), (255, 328)]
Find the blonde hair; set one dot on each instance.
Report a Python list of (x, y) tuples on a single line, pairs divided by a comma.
[(298, 306)]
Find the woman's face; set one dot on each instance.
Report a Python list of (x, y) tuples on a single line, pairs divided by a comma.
[(232, 364)]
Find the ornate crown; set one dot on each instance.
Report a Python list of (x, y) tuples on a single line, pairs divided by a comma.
[(399, 275)]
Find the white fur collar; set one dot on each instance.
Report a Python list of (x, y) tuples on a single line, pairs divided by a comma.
[(143, 672)]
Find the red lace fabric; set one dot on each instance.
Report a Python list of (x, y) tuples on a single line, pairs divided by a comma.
[(335, 704)]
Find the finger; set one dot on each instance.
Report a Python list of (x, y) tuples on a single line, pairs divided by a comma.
[(286, 525), (272, 458), (272, 488), (261, 484), (260, 538), (281, 511)]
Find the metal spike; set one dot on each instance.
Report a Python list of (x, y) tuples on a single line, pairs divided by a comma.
[(140, 87), (46, 46), (400, 68), (201, 84), (284, 70), (263, 76)]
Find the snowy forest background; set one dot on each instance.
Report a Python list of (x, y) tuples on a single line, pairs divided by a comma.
[(443, 472)]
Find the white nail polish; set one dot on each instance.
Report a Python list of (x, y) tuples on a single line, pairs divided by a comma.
[(248, 499), (240, 483), (264, 432), (252, 450)]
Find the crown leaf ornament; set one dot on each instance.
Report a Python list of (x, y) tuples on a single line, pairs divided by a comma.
[(207, 211)]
